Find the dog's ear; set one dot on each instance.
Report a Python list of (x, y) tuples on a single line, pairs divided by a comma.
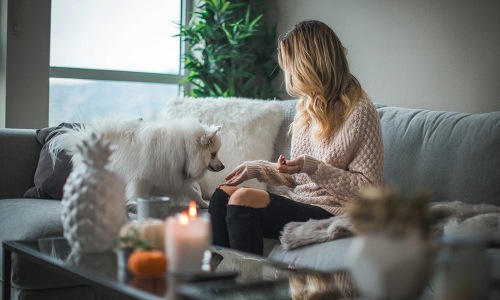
[(215, 130), (208, 137)]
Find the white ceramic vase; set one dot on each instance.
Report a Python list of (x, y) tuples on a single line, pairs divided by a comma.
[(384, 267), (93, 200)]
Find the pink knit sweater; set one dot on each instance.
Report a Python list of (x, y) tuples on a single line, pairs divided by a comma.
[(334, 170)]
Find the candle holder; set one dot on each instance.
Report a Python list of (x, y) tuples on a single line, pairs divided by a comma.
[(187, 237)]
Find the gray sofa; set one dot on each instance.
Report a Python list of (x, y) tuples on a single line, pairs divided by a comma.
[(455, 155)]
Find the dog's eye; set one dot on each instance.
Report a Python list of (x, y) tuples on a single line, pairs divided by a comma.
[(214, 155)]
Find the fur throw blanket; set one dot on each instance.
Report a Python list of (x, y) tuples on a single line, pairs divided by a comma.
[(447, 218)]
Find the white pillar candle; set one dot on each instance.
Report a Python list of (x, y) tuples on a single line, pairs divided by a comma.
[(186, 239)]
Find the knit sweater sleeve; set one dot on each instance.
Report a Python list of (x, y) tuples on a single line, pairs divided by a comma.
[(267, 172), (366, 166)]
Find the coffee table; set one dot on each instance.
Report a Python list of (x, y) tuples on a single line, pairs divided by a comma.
[(230, 274)]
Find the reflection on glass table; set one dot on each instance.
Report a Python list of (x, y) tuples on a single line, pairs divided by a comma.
[(231, 275)]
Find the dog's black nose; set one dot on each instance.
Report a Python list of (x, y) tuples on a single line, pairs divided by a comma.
[(222, 167)]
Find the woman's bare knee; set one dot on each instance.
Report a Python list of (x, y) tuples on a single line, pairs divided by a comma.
[(249, 197)]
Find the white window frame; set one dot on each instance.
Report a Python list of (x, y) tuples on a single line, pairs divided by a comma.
[(94, 74)]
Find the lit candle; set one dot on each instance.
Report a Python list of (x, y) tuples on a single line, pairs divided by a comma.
[(187, 236), (192, 212)]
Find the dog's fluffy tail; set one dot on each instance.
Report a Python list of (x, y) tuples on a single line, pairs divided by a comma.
[(67, 139)]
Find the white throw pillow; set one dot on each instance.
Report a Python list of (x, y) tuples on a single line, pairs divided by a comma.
[(249, 129)]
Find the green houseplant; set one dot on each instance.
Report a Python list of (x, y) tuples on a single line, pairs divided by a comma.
[(231, 50)]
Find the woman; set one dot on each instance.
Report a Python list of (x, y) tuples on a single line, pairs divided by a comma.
[(336, 147)]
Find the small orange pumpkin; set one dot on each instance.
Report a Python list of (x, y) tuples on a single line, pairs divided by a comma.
[(147, 263)]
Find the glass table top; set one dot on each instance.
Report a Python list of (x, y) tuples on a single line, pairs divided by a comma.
[(230, 275)]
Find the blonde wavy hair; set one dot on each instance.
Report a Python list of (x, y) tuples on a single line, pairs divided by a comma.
[(316, 70)]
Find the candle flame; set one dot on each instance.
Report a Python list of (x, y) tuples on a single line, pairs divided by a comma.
[(183, 219), (192, 212)]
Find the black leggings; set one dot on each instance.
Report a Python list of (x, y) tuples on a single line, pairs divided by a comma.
[(243, 228)]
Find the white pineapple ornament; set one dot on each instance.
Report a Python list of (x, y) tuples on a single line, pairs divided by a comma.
[(93, 200)]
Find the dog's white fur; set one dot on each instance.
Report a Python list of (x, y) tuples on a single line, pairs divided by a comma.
[(152, 158)]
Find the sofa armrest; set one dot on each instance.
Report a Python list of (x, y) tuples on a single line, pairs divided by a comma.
[(19, 153)]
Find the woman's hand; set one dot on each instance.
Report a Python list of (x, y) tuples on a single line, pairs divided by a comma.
[(237, 176), (290, 166)]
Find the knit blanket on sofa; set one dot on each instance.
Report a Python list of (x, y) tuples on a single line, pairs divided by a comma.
[(447, 218)]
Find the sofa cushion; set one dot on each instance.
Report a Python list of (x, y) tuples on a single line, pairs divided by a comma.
[(249, 129), (455, 156), (49, 177), (27, 219), (327, 256)]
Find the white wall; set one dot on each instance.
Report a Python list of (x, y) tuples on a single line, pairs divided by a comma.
[(432, 54)]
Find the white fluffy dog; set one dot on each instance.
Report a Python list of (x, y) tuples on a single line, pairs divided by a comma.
[(152, 158)]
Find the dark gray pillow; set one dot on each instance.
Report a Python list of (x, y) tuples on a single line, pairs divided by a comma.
[(49, 178)]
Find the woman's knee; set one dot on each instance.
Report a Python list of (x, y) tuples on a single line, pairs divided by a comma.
[(249, 197)]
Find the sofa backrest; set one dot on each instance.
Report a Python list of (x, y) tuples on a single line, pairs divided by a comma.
[(283, 139), (19, 152), (455, 156)]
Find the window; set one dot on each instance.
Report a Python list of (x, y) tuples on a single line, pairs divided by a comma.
[(113, 57)]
